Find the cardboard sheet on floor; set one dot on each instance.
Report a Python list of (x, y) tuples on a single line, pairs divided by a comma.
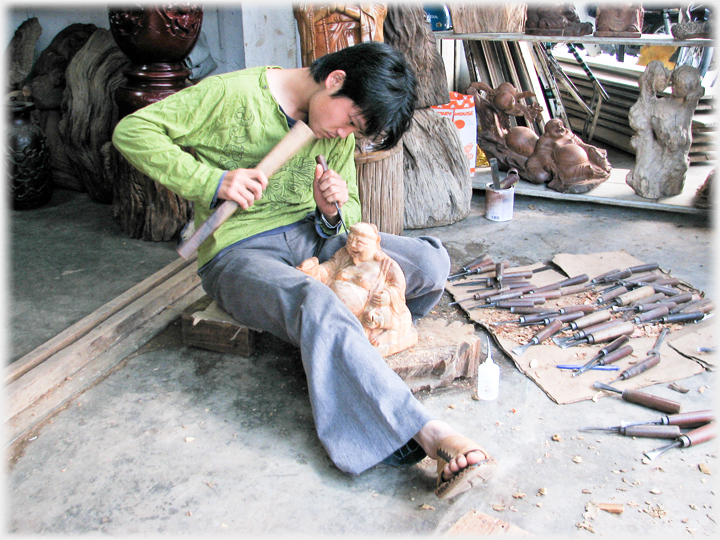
[(539, 362)]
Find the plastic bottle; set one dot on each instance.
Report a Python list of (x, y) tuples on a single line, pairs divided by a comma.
[(488, 382)]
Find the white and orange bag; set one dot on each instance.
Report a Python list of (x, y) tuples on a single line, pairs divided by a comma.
[(461, 110)]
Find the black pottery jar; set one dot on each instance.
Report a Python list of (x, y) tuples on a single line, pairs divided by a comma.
[(28, 159)]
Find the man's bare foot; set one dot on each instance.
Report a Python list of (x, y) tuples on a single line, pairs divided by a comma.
[(430, 436)]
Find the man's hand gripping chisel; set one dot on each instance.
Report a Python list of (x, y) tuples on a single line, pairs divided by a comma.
[(321, 160), (298, 136)]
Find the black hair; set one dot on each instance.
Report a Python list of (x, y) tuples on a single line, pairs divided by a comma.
[(380, 82)]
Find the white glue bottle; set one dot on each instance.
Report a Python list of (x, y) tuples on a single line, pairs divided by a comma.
[(488, 381)]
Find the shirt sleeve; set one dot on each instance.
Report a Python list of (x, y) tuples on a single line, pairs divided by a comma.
[(151, 140)]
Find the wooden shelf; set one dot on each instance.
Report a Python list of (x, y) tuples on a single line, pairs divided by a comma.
[(646, 39)]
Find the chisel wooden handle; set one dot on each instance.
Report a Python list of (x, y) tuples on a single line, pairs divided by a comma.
[(590, 319), (625, 328), (699, 435), (614, 356), (652, 402), (635, 294), (652, 314), (609, 295), (690, 419), (548, 331), (582, 278), (652, 431), (299, 135)]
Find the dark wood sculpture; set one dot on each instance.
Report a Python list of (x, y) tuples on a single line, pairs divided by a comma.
[(156, 39), (405, 29), (555, 19), (565, 162), (510, 145), (438, 186), (662, 128), (331, 27), (616, 20), (371, 285), (47, 83), (19, 55)]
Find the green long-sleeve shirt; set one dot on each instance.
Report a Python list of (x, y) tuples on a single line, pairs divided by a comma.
[(231, 121)]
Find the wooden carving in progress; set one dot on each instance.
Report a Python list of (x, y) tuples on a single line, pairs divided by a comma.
[(371, 285), (662, 128), (566, 162), (331, 27)]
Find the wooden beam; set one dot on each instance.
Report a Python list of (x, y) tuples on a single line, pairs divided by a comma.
[(85, 325), (31, 386)]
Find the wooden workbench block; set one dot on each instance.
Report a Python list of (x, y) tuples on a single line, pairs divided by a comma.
[(206, 326)]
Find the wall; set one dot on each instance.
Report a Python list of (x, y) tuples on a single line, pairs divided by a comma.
[(239, 35)]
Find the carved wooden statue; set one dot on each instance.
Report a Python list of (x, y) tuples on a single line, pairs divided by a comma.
[(663, 130), (326, 28), (555, 19), (617, 20), (511, 146), (371, 285), (565, 161)]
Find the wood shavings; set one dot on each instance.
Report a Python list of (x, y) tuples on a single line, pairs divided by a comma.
[(704, 468), (425, 506), (612, 508), (577, 459), (519, 495), (498, 507)]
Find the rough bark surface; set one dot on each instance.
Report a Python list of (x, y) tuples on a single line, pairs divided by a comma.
[(91, 114), (143, 208), (438, 187), (19, 53), (471, 18), (406, 28)]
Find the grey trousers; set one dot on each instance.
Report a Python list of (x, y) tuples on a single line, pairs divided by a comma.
[(362, 410)]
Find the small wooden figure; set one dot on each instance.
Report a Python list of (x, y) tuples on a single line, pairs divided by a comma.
[(555, 19), (616, 20), (371, 285), (662, 128), (566, 162)]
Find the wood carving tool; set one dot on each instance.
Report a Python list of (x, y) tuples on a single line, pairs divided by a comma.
[(641, 430), (696, 436), (321, 160), (539, 337), (641, 398), (298, 136), (684, 420), (652, 360), (616, 350), (495, 173)]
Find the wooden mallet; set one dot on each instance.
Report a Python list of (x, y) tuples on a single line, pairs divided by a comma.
[(298, 136)]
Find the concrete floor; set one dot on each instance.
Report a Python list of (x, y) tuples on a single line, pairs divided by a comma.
[(181, 440)]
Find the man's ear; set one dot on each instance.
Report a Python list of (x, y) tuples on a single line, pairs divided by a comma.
[(335, 80)]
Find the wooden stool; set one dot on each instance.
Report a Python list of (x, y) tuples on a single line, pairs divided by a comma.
[(381, 188), (206, 326)]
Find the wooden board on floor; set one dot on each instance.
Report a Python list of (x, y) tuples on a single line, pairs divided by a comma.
[(475, 523), (205, 326)]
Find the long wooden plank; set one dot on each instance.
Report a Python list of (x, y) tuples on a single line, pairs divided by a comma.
[(22, 425), (28, 388), (83, 326)]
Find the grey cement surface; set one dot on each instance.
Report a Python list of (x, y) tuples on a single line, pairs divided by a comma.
[(184, 441)]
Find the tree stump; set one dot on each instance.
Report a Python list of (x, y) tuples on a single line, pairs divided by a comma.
[(381, 188), (91, 114), (142, 207), (438, 187)]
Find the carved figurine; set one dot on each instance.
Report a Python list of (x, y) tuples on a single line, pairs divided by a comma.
[(617, 20), (663, 129), (555, 19), (565, 161), (330, 27), (371, 285), (511, 146)]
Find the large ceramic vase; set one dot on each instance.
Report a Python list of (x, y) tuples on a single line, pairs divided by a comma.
[(156, 39), (28, 159)]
